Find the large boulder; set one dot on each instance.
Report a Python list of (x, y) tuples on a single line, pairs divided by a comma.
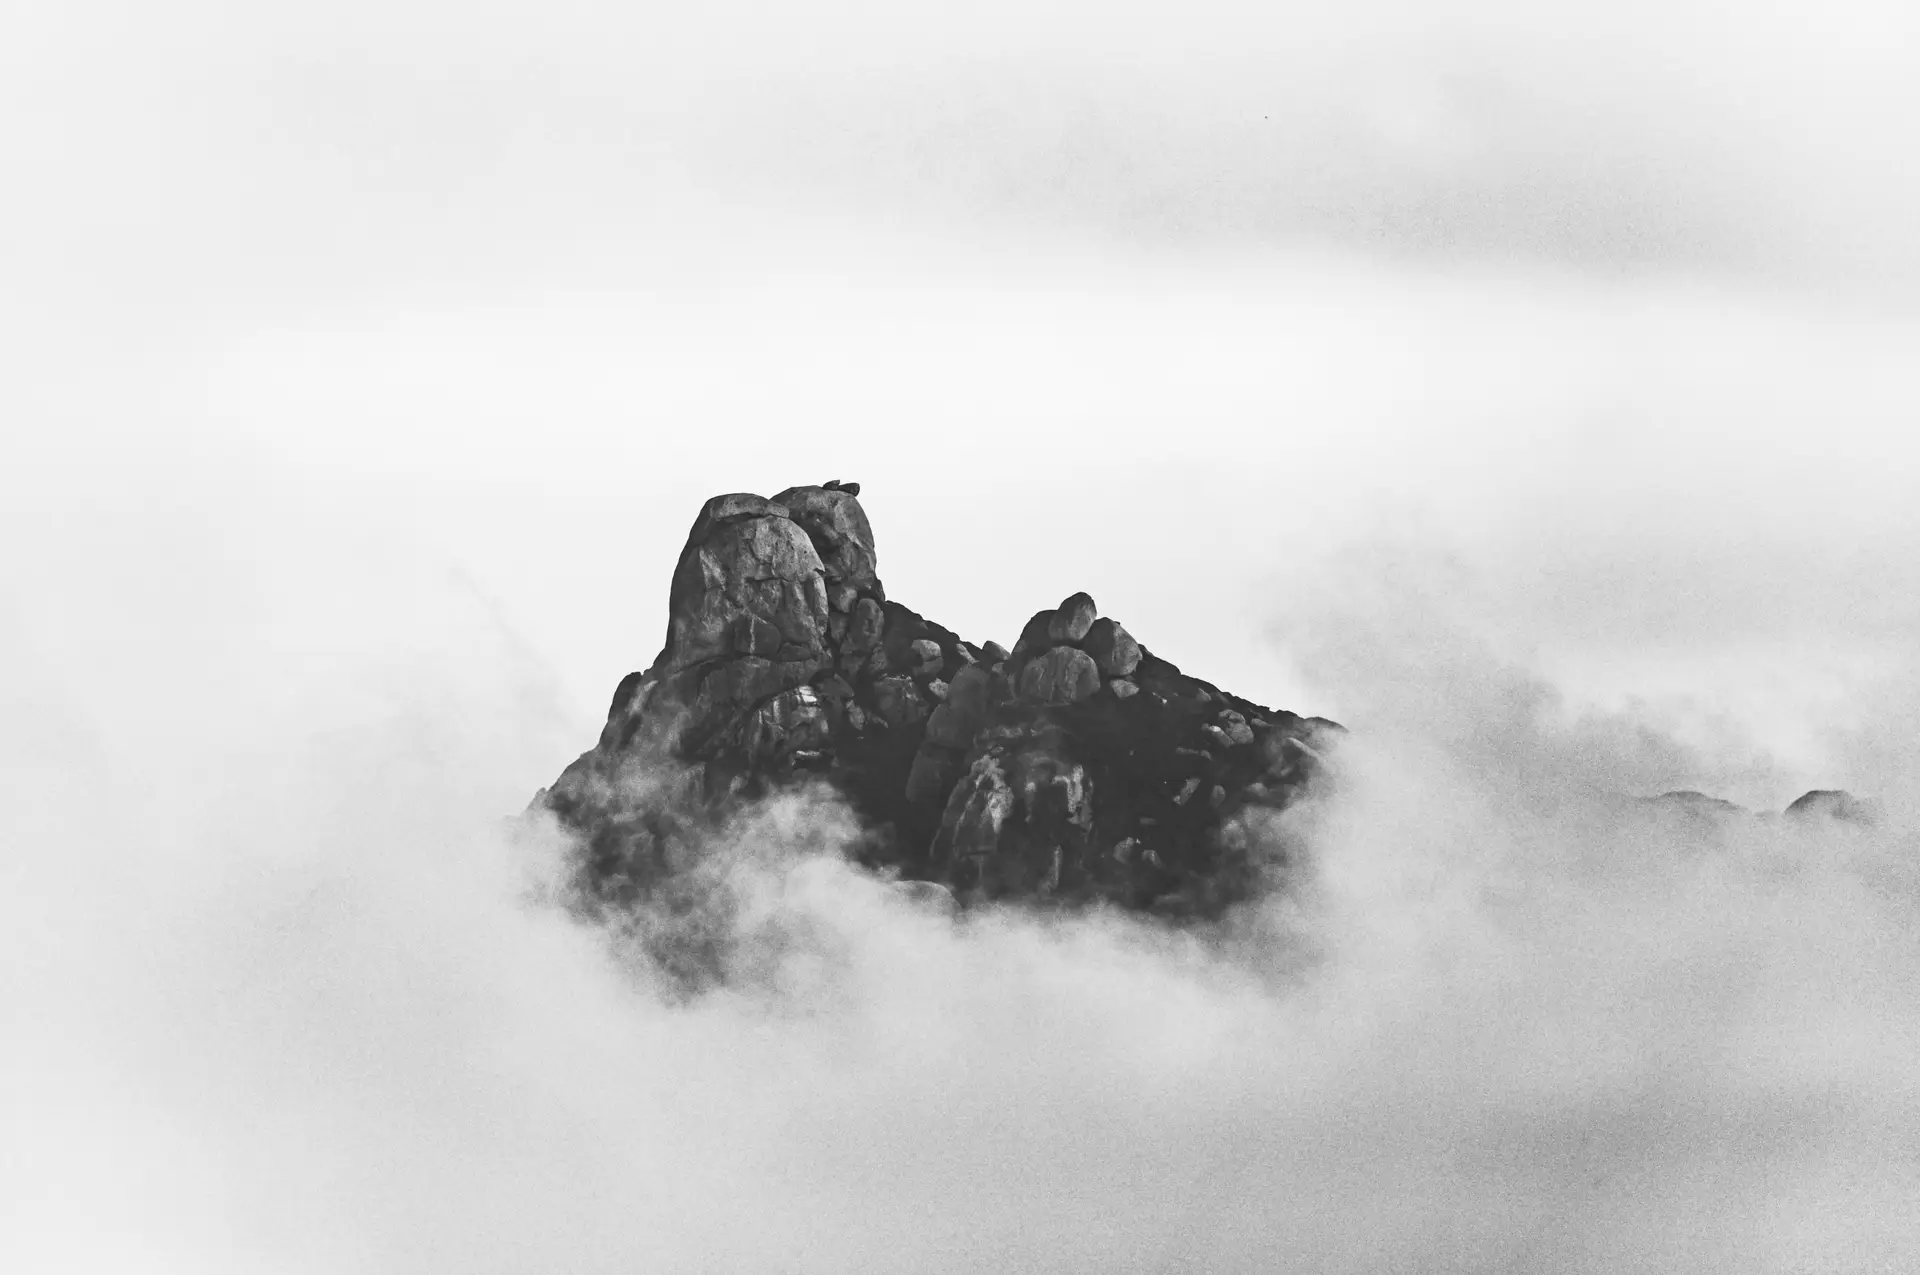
[(968, 706), (748, 585), (1061, 676), (833, 519), (1072, 619), (1111, 647)]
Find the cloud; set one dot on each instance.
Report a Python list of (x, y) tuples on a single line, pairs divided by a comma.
[(369, 361), (302, 1011), (280, 157)]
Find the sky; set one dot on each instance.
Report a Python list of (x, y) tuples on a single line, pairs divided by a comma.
[(1529, 387)]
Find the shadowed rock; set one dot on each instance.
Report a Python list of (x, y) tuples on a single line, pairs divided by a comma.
[(1061, 676), (833, 519), (1111, 647), (1072, 619), (1076, 767)]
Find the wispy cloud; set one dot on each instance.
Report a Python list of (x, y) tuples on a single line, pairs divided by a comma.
[(296, 1012)]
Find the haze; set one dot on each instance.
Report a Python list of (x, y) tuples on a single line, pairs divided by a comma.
[(1527, 387)]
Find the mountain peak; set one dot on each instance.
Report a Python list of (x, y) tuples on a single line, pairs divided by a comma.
[(1075, 767)]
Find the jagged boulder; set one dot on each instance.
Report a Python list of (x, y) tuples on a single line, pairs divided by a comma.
[(1076, 766)]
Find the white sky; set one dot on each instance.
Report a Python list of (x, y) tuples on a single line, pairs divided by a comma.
[(1617, 305), (1533, 382)]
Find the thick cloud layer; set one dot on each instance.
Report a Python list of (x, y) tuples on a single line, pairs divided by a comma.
[(283, 996)]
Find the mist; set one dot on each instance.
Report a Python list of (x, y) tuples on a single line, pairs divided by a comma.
[(1527, 388), (287, 993)]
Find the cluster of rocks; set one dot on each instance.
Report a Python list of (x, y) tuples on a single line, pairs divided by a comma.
[(1820, 803), (1077, 766), (1083, 766)]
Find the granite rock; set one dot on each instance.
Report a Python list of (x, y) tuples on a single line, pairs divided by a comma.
[(978, 772), (1111, 647)]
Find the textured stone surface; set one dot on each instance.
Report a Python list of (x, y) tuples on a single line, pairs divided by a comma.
[(978, 771), (898, 700), (968, 707), (1112, 648), (1076, 768), (863, 630), (1072, 619), (1061, 676), (757, 574), (832, 518)]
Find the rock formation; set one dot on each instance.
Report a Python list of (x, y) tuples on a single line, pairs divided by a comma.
[(1077, 766)]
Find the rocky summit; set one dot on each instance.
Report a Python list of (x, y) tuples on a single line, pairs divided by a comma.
[(1075, 767)]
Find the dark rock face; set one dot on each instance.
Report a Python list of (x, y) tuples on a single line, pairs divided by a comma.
[(1077, 767)]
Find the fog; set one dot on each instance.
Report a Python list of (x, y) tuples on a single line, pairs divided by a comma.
[(1527, 387), (283, 996)]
